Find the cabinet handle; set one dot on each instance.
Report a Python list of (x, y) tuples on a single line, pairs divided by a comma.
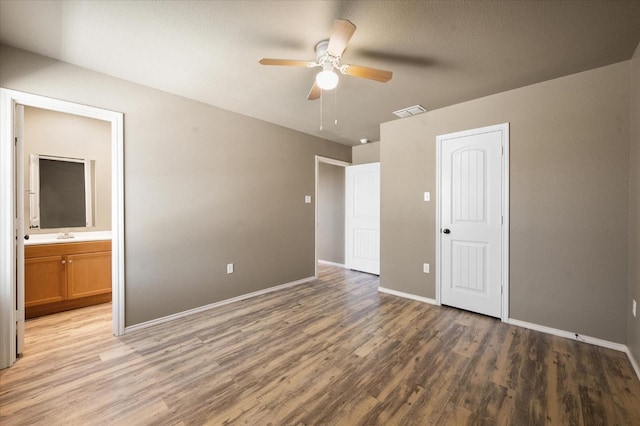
[(63, 262), (71, 261)]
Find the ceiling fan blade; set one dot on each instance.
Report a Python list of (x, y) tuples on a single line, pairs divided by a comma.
[(366, 72), (340, 36), (315, 92), (287, 62)]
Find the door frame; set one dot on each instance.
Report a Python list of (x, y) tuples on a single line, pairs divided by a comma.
[(333, 162), (8, 100), (440, 139)]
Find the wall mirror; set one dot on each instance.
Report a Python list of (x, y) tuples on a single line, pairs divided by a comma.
[(60, 192)]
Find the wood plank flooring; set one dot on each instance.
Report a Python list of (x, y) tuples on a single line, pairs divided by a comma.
[(331, 352)]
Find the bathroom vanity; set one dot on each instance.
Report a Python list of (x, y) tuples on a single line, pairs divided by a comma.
[(64, 274)]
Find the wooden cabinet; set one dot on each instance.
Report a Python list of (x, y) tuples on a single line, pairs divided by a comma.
[(45, 280), (64, 276), (88, 274)]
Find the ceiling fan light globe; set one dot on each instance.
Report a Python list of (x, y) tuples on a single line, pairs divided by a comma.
[(327, 80)]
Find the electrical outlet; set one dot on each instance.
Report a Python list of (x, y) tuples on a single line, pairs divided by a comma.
[(633, 308), (307, 199), (229, 268), (425, 268)]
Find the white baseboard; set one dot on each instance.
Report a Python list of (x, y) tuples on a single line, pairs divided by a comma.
[(569, 335), (634, 363), (182, 314), (326, 262), (580, 338), (549, 330), (407, 295)]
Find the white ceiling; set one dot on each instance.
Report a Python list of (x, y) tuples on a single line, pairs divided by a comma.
[(441, 53)]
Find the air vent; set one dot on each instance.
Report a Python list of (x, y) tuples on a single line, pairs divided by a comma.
[(409, 111)]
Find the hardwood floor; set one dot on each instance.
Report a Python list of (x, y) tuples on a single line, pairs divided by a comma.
[(334, 351)]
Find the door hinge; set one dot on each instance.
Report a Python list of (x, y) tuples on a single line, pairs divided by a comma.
[(502, 150), (15, 141), (502, 220)]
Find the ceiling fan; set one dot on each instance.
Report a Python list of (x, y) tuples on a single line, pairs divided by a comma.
[(328, 53)]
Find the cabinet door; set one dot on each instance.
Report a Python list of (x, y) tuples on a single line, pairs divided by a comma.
[(45, 280), (88, 274)]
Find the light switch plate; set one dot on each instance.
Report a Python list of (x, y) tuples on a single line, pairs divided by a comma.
[(427, 196), (307, 199), (425, 268), (229, 268)]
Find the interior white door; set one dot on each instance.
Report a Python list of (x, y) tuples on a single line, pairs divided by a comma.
[(471, 220), (362, 233), (19, 225)]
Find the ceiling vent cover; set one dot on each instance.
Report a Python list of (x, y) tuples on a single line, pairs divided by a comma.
[(409, 111)]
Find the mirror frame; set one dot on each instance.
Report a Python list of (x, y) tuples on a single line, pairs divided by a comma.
[(34, 189)]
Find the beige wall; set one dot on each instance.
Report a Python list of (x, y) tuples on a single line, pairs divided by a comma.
[(569, 198), (366, 153), (203, 187), (331, 215), (633, 334), (65, 135)]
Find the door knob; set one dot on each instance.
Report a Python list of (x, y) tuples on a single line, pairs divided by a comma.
[(446, 231), (26, 237)]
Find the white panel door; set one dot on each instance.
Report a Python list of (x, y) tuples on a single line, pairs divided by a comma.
[(362, 247), (471, 215)]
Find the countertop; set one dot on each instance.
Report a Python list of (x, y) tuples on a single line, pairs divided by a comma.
[(35, 239)]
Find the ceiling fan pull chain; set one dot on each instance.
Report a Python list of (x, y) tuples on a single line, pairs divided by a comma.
[(321, 102), (335, 107)]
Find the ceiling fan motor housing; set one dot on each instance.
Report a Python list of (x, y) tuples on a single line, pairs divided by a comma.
[(321, 49), (323, 58)]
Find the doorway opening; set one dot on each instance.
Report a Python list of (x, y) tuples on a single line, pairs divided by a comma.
[(330, 212), (12, 214)]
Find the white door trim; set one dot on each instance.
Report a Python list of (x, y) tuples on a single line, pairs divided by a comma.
[(8, 99), (18, 128), (504, 128), (333, 162)]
